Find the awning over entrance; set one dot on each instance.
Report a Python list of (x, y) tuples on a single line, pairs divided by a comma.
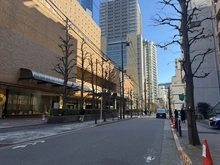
[(43, 78)]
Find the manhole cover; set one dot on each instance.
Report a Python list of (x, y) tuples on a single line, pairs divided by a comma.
[(208, 132)]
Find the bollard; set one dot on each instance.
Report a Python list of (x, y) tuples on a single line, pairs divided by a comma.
[(180, 133), (176, 123)]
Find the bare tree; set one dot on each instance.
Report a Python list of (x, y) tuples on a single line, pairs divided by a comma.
[(84, 55), (66, 63), (190, 31), (92, 78), (110, 77)]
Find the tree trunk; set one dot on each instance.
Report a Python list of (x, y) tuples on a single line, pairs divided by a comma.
[(192, 129)]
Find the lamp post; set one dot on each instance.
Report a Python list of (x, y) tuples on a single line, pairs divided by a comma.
[(145, 96), (131, 101), (97, 90), (122, 70), (96, 71), (102, 94)]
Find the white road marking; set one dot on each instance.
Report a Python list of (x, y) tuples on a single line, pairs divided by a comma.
[(150, 156)]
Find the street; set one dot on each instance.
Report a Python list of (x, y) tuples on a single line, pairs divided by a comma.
[(131, 142)]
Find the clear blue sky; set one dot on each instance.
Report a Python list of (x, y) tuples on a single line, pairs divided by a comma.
[(160, 34)]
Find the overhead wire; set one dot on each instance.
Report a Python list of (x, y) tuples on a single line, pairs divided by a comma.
[(100, 53)]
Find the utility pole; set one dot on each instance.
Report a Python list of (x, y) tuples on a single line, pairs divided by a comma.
[(145, 96), (170, 112)]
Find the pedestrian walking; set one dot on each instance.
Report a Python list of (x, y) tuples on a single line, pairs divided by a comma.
[(82, 113), (183, 115)]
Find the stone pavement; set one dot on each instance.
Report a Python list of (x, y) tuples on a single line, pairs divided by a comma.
[(193, 154), (13, 131)]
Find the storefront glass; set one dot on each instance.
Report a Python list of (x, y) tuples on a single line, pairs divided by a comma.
[(29, 103)]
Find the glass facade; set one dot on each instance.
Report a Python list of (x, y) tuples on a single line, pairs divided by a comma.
[(114, 51), (87, 5), (28, 103)]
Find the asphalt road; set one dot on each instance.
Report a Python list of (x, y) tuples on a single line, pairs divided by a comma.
[(131, 142)]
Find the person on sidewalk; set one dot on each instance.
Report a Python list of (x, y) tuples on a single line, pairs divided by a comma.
[(82, 113), (176, 114), (183, 115)]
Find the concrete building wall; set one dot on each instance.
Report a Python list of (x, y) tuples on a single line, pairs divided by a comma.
[(177, 86), (205, 89), (30, 34)]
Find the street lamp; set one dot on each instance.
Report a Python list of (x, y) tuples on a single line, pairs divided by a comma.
[(145, 96), (122, 70)]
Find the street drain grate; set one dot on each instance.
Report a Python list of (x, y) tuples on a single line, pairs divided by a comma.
[(208, 132)]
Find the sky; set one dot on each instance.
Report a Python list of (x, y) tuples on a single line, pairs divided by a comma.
[(158, 34)]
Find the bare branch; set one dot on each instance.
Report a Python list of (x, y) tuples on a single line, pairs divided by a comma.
[(202, 60)]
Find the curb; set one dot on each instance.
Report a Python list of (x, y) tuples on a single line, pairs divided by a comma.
[(115, 121), (184, 158)]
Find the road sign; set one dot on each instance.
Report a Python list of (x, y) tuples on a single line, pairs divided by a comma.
[(181, 97)]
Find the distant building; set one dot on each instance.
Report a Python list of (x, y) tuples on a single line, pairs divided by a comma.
[(87, 5), (177, 86), (121, 32), (163, 94), (150, 70)]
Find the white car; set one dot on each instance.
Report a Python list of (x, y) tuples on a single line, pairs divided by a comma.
[(215, 120)]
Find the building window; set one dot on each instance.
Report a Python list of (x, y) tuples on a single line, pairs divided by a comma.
[(48, 5), (195, 24)]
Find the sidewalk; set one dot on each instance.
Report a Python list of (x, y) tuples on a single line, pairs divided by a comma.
[(193, 154), (8, 123), (13, 131)]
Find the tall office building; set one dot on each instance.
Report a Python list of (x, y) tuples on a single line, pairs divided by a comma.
[(87, 5), (150, 70), (121, 32)]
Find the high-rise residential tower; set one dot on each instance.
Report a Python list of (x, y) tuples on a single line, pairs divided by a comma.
[(121, 32), (87, 5), (150, 70)]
